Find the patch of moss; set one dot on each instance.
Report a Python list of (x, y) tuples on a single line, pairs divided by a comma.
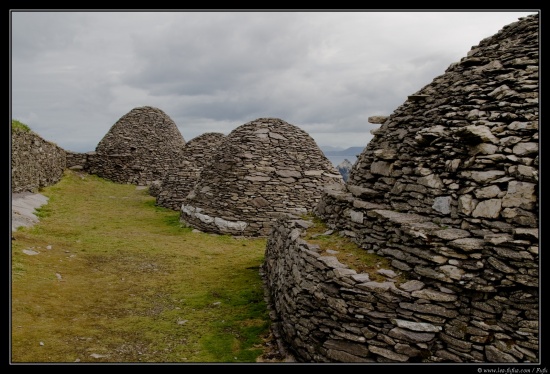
[(348, 252)]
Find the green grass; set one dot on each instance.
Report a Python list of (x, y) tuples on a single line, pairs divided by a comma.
[(117, 279), (19, 126)]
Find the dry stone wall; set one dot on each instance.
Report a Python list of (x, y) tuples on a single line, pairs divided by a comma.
[(448, 191), (141, 147), (179, 181), (77, 160), (262, 170), (323, 311), (35, 162)]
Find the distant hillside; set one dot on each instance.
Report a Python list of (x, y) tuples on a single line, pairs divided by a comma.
[(332, 151), (338, 155)]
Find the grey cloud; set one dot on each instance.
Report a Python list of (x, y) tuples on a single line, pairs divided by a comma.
[(74, 74), (35, 32), (221, 52)]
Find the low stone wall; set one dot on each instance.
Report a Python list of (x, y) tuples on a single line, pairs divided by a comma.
[(122, 168), (78, 161), (35, 162), (326, 312)]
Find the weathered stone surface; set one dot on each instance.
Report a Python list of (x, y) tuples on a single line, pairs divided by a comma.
[(433, 295), (476, 133), (520, 194), (522, 149), (468, 244), (442, 204), (488, 209), (416, 326), (432, 181), (412, 285), (377, 119), (356, 216), (381, 168), (361, 191), (493, 354), (532, 234), (452, 234), (376, 286), (411, 336)]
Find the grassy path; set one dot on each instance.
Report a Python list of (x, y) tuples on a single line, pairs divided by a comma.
[(106, 276)]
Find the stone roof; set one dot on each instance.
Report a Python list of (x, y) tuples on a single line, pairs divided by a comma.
[(262, 170), (199, 150), (139, 148)]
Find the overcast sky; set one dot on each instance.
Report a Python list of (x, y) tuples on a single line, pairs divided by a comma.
[(75, 74)]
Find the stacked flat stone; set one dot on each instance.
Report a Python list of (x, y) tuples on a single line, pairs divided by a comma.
[(448, 191), (323, 311), (262, 170), (138, 149), (200, 149), (178, 182), (76, 160), (35, 162)]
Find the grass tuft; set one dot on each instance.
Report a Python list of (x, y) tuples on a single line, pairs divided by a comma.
[(17, 125), (348, 252)]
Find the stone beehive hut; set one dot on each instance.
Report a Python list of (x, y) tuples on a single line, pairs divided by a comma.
[(261, 170), (447, 192), (199, 150), (139, 148), (178, 182)]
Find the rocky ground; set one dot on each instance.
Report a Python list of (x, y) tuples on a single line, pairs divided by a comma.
[(23, 206)]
